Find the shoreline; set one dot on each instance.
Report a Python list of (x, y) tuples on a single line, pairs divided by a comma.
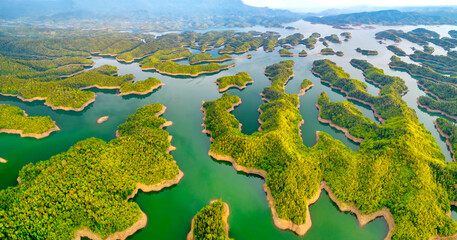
[(435, 111), (448, 143), (142, 222), (187, 74), (379, 117), (428, 92), (141, 93), (333, 125), (380, 86), (225, 215), (218, 60), (421, 76), (32, 135), (303, 90), (234, 86), (102, 119), (301, 229), (205, 131), (50, 105)]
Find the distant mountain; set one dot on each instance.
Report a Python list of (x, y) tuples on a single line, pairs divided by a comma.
[(386, 17), (143, 14)]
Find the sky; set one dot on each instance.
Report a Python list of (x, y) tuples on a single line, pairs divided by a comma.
[(326, 4)]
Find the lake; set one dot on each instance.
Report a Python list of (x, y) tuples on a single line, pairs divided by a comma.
[(171, 210)]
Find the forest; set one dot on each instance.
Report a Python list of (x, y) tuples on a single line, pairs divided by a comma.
[(14, 118), (87, 186), (208, 223), (239, 80), (390, 153)]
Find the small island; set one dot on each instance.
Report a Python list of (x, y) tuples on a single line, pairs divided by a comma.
[(428, 49), (206, 57), (240, 81), (333, 38), (366, 52), (285, 53), (339, 53), (327, 51), (304, 86), (396, 50), (102, 119), (346, 35), (302, 53), (2, 160), (14, 120), (211, 222)]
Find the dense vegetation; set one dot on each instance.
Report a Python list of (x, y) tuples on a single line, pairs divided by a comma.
[(391, 153), (239, 80), (302, 53), (305, 84), (396, 50), (392, 169), (87, 186), (140, 86), (333, 38), (209, 224), (439, 63), (293, 39), (160, 61), (14, 118), (366, 52), (327, 51), (420, 36), (450, 130), (64, 93), (420, 71), (285, 53), (206, 57)]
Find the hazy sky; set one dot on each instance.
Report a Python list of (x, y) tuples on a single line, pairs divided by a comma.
[(325, 4)]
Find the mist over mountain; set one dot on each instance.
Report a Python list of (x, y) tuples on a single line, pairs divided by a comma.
[(173, 14)]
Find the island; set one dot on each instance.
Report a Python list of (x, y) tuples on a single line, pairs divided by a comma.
[(102, 119), (442, 88), (339, 53), (3, 160), (396, 50), (285, 53), (366, 52), (302, 53), (420, 36), (206, 57), (327, 51), (211, 222), (67, 94), (384, 156), (161, 62), (118, 170), (14, 120), (309, 42), (346, 35), (398, 118), (428, 49), (239, 80), (304, 86), (333, 38)]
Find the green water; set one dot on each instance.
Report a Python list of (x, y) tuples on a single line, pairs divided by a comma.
[(170, 211)]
